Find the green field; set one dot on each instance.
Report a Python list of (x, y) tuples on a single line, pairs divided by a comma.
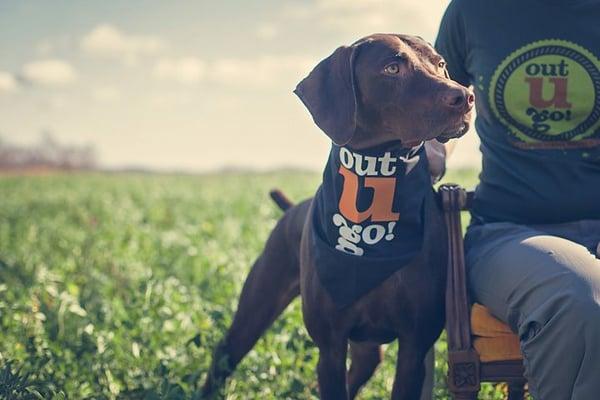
[(119, 286)]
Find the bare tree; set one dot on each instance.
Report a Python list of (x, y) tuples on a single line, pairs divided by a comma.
[(48, 153)]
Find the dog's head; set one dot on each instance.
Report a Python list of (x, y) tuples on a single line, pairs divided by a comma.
[(386, 87)]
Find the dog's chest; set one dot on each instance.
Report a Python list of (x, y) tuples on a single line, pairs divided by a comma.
[(367, 221)]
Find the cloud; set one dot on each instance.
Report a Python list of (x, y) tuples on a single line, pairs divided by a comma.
[(49, 72), (183, 70), (8, 83), (175, 99), (266, 31), (263, 71), (267, 70), (105, 40), (362, 17), (106, 94)]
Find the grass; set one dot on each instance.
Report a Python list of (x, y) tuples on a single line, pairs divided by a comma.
[(119, 286)]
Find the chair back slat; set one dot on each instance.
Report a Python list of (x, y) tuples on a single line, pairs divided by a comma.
[(463, 361)]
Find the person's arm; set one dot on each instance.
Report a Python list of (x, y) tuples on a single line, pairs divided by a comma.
[(451, 44)]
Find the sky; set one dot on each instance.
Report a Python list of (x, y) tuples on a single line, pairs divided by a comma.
[(185, 85)]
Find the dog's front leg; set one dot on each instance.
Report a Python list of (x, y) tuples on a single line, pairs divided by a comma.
[(365, 359), (410, 370), (331, 369)]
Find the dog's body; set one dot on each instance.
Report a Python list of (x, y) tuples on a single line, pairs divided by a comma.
[(357, 107), (396, 309)]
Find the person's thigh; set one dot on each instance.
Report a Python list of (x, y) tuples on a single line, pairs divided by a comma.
[(548, 290)]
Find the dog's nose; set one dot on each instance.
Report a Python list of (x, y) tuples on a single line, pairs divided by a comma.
[(459, 98)]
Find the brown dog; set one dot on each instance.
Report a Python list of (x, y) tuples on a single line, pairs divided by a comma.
[(382, 90)]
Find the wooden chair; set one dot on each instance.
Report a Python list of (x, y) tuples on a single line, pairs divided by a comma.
[(480, 347)]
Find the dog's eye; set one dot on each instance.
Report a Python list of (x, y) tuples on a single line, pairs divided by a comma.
[(441, 64), (392, 69)]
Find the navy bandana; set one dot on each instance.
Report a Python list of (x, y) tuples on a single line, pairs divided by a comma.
[(367, 217)]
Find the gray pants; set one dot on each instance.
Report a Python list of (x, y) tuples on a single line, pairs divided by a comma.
[(544, 281)]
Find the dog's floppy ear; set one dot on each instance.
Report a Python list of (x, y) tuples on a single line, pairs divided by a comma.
[(329, 93)]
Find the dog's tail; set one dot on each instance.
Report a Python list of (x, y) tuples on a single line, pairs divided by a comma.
[(280, 199)]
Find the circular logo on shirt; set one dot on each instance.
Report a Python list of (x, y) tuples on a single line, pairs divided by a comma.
[(548, 91)]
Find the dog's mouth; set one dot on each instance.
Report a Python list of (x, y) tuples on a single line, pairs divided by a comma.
[(453, 134), (449, 129), (455, 131)]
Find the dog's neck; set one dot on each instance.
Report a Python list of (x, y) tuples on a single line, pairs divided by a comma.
[(384, 153), (366, 138)]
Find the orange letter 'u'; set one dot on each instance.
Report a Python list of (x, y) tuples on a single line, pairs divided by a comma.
[(383, 198)]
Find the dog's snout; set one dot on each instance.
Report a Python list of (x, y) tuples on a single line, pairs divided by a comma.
[(458, 98)]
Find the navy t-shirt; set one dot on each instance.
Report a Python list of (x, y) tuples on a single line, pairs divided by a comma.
[(367, 219), (535, 68)]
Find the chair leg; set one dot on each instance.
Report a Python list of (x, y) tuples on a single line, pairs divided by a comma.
[(516, 390), (463, 374)]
